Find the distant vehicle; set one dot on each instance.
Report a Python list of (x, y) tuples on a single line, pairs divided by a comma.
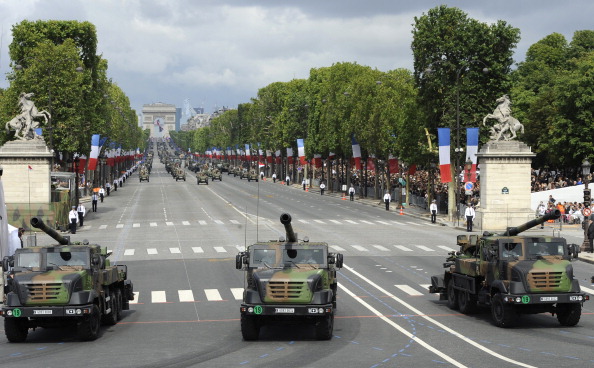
[(216, 175), (253, 176), (180, 174), (201, 177)]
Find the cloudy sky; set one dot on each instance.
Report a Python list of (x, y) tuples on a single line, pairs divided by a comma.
[(220, 52)]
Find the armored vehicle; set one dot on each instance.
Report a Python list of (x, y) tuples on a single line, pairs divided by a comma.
[(244, 174), (144, 174), (224, 167), (253, 176), (65, 285), (216, 175), (513, 275), (201, 177), (288, 281), (179, 174)]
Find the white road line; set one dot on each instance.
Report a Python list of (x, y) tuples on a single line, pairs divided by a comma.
[(129, 252), (186, 223), (158, 297), (336, 222), (153, 224), (383, 222), (212, 295), (197, 250), (237, 293), (151, 250), (135, 300), (380, 247), (119, 226), (447, 249), (234, 222), (136, 225), (402, 247), (587, 290), (351, 222), (174, 250), (426, 249), (202, 222), (185, 295), (407, 289), (102, 227), (169, 223), (397, 222), (220, 250), (424, 316), (425, 286), (303, 221), (367, 222), (219, 222), (413, 223), (359, 248), (319, 221), (338, 248)]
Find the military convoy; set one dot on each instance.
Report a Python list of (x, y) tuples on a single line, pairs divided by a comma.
[(144, 174), (288, 281), (64, 285), (513, 275), (202, 177), (215, 174), (179, 174)]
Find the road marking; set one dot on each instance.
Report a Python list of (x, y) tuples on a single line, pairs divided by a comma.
[(397, 222), (447, 249), (425, 286), (174, 250), (413, 223), (380, 247), (402, 247), (359, 248), (383, 222), (153, 224), (186, 223), (197, 250), (351, 222), (151, 250), (212, 295), (424, 316), (367, 222), (202, 222), (169, 223), (119, 226), (234, 222), (587, 290), (303, 221), (237, 293), (407, 289), (338, 248), (220, 250), (129, 252), (336, 222), (135, 300), (158, 297), (219, 222), (185, 295), (136, 225), (319, 221), (102, 227), (426, 249)]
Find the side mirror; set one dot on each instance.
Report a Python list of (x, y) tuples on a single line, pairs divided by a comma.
[(96, 260), (7, 263), (239, 260), (339, 260)]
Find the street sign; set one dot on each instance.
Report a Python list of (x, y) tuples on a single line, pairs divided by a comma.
[(587, 212), (504, 190), (468, 185)]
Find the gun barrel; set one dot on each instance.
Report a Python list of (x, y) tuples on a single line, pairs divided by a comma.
[(285, 219), (38, 223), (512, 231)]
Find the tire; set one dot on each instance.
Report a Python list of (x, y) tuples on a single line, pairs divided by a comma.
[(250, 328), (324, 327), (111, 318), (569, 314), (467, 302), (88, 327), (16, 329), (503, 315), (119, 303), (452, 295)]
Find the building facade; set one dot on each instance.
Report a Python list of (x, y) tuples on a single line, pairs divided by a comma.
[(159, 118)]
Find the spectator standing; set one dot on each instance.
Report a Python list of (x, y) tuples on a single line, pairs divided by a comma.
[(469, 214), (433, 210), (387, 199)]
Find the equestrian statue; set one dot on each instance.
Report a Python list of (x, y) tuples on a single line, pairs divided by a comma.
[(507, 126), (26, 122)]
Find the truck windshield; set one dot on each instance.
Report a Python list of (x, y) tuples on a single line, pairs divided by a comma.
[(263, 257), (76, 258), (304, 256), (28, 260), (538, 248)]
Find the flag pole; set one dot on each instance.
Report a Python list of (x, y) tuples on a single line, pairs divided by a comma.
[(29, 168)]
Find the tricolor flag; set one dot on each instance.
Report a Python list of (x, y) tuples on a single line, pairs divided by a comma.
[(317, 161), (445, 165), (472, 137), (247, 150), (94, 152), (290, 156), (393, 164), (356, 152), (82, 162), (29, 166), (301, 151)]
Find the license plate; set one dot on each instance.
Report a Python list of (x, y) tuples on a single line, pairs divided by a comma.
[(284, 310), (43, 311), (548, 298)]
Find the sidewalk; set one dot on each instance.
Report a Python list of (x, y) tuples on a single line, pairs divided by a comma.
[(419, 213)]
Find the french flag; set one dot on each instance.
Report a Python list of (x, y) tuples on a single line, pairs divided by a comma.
[(445, 165), (356, 152), (290, 155), (393, 164), (94, 152), (301, 151), (472, 138)]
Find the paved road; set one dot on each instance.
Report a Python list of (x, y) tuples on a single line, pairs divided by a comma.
[(179, 240)]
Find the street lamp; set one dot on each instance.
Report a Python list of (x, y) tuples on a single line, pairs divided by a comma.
[(467, 171), (586, 173)]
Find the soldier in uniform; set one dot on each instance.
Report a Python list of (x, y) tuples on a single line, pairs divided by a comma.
[(73, 218)]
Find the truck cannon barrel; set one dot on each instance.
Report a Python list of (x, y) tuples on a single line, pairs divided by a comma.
[(38, 223), (285, 219), (552, 215)]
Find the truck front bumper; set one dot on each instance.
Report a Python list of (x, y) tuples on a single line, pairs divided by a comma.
[(47, 311), (286, 310), (523, 299)]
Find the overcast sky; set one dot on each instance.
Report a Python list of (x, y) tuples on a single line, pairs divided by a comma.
[(220, 52)]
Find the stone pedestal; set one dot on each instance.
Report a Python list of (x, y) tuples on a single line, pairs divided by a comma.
[(21, 183), (504, 185)]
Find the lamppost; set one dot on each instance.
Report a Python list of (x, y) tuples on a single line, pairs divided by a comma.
[(467, 171), (458, 149), (586, 246)]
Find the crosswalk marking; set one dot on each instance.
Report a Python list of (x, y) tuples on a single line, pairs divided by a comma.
[(303, 221), (351, 222), (235, 222), (397, 222), (237, 293), (402, 247), (136, 225), (169, 223), (240, 248), (186, 223), (413, 223), (448, 249), (319, 221), (102, 227), (129, 252), (119, 226), (380, 247), (202, 222), (153, 224), (174, 250), (367, 222), (135, 300), (425, 286), (360, 248), (337, 248), (409, 290), (197, 250), (212, 295), (220, 250), (383, 222), (158, 297), (219, 222), (336, 222), (426, 249), (151, 250), (587, 290), (185, 295)]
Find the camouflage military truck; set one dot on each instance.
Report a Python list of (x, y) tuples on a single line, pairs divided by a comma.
[(215, 174), (230, 170), (144, 174), (201, 177), (179, 174), (513, 275), (253, 175), (64, 285), (244, 174), (288, 281)]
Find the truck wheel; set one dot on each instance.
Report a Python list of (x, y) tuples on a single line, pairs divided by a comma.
[(16, 329), (569, 314), (250, 329), (325, 327), (503, 315), (452, 295), (88, 327), (111, 318), (119, 304), (467, 302)]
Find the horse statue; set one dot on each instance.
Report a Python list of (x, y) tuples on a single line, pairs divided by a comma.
[(507, 126), (25, 123)]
